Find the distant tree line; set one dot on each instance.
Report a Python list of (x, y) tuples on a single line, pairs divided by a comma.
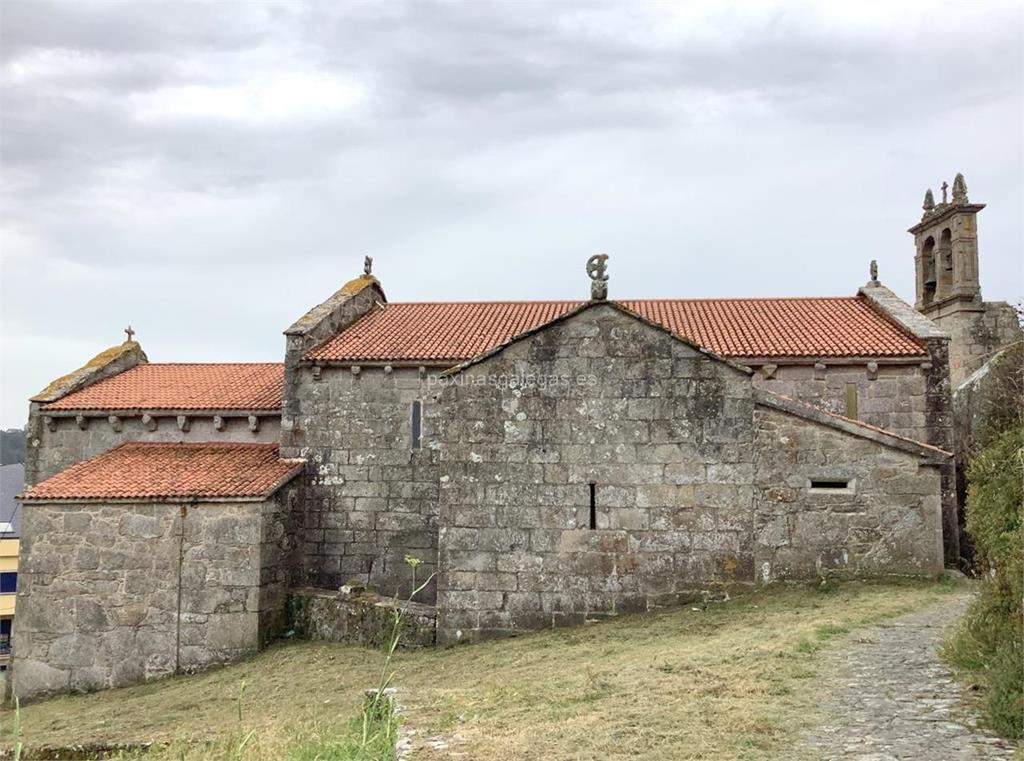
[(12, 446)]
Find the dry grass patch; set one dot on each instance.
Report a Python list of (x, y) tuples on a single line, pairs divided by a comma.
[(729, 681)]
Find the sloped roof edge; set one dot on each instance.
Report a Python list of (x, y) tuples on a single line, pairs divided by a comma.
[(317, 314), (157, 471), (107, 363), (900, 313), (579, 310), (848, 425)]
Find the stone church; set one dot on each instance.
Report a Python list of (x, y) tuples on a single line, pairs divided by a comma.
[(552, 462)]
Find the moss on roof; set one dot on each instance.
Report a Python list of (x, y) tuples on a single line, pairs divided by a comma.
[(65, 383)]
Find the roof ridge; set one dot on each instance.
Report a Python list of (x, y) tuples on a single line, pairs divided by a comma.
[(854, 297)]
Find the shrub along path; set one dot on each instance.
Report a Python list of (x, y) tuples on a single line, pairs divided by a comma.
[(895, 699)]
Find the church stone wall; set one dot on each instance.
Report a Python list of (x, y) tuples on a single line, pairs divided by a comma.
[(369, 497), (664, 433), (98, 590), (894, 397), (50, 452), (976, 337), (888, 521)]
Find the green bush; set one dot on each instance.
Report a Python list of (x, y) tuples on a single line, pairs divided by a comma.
[(990, 643)]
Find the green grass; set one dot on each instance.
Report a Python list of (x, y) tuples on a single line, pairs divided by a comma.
[(736, 680)]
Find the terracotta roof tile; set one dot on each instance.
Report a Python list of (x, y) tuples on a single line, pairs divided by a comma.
[(154, 470), (154, 386), (795, 327)]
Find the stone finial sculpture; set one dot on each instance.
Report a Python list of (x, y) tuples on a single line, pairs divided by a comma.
[(598, 279), (873, 269), (959, 190), (367, 265), (929, 201), (945, 185)]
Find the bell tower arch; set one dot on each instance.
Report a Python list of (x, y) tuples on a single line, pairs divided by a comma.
[(946, 240)]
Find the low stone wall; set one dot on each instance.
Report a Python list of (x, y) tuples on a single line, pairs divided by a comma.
[(115, 594), (886, 521), (359, 617)]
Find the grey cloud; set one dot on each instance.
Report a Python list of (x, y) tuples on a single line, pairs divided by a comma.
[(498, 144)]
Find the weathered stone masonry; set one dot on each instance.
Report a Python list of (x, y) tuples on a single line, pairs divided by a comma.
[(684, 470), (887, 520), (583, 461), (113, 594), (661, 430), (369, 498)]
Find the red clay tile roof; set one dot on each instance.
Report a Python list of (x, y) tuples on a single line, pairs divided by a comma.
[(796, 327), (153, 386), (153, 470)]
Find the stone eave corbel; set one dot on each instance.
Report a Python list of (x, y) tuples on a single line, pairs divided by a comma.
[(133, 413), (831, 361)]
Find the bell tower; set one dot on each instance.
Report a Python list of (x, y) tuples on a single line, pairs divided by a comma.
[(946, 262), (948, 290)]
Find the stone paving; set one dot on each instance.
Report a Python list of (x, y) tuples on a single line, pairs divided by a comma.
[(894, 698)]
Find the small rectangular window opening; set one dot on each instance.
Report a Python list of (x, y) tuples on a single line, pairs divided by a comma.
[(829, 484), (417, 422), (593, 506)]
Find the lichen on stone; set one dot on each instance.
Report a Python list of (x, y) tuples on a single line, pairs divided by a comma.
[(66, 383)]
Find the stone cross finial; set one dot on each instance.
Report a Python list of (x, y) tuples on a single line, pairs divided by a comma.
[(944, 186), (929, 200), (959, 189), (874, 273), (129, 332), (367, 265), (598, 279)]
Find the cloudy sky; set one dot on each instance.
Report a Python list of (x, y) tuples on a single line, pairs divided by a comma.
[(208, 171)]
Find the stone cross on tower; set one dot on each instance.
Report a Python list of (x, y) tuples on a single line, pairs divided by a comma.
[(945, 186), (129, 332), (598, 279)]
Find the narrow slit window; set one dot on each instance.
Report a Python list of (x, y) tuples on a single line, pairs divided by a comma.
[(593, 506), (851, 400), (830, 484), (417, 423)]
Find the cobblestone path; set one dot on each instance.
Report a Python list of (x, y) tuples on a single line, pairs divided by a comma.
[(892, 697)]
